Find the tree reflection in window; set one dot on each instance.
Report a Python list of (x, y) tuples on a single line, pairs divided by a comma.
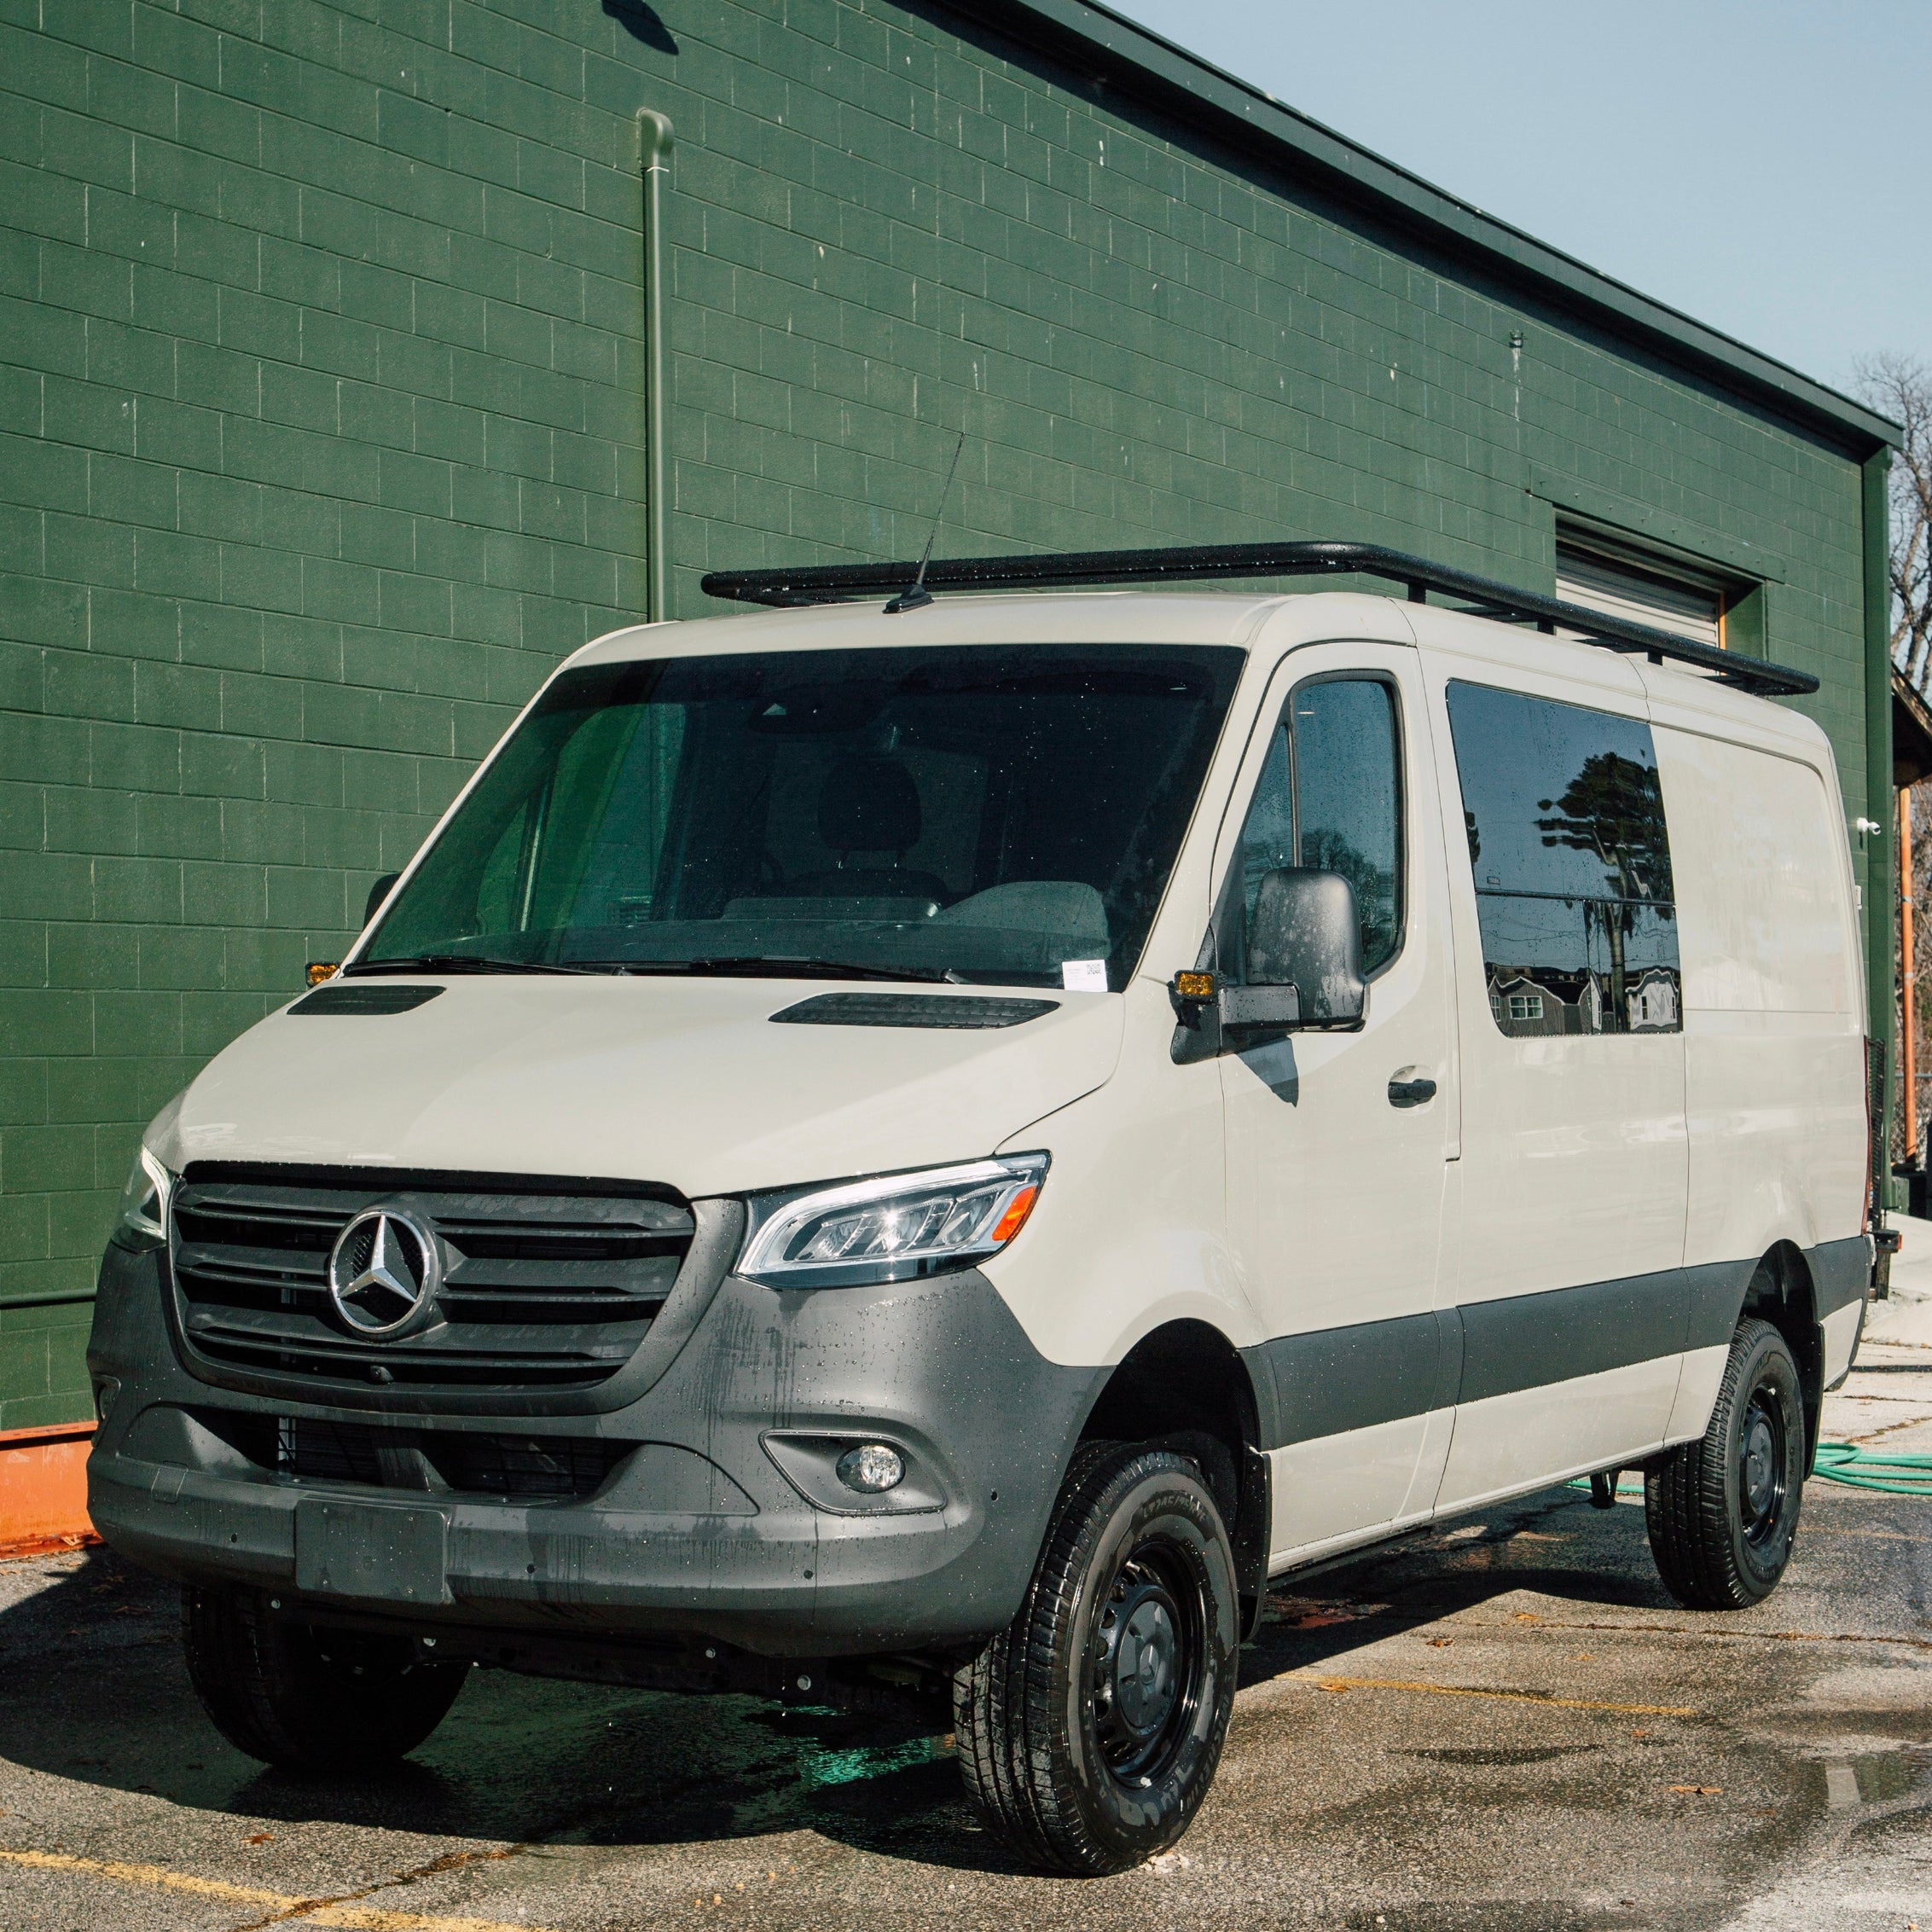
[(1571, 860)]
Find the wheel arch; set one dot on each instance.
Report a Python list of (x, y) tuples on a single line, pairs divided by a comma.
[(1186, 1384), (1782, 1292)]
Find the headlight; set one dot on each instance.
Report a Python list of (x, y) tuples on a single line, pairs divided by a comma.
[(143, 1219), (896, 1228)]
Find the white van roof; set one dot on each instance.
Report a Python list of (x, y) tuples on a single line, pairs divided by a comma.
[(908, 587), (1692, 697)]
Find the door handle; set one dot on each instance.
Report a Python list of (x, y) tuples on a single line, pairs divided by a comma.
[(1409, 1089)]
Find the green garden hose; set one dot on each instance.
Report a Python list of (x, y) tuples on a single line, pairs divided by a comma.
[(1894, 1474)]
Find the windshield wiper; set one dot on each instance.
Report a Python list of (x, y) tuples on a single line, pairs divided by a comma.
[(457, 962), (779, 967)]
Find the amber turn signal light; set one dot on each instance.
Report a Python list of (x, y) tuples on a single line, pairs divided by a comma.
[(1193, 986), (1009, 1223), (320, 970)]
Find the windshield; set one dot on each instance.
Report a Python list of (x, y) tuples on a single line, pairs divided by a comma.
[(978, 813)]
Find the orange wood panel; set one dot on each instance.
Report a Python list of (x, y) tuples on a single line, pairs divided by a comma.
[(43, 1489)]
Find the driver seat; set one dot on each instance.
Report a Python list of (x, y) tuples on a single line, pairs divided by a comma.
[(868, 807)]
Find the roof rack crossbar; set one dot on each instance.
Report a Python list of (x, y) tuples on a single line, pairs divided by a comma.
[(829, 583)]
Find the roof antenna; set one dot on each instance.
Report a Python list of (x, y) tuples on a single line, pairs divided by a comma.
[(917, 594)]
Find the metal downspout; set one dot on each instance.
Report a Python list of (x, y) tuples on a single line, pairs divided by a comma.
[(654, 136), (1880, 873)]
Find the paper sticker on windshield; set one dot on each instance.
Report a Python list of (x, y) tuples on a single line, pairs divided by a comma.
[(1084, 976)]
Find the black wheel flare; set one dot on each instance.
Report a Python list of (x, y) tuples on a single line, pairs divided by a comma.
[(1148, 1666)]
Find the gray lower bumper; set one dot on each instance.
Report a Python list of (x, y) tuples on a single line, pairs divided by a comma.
[(698, 1530)]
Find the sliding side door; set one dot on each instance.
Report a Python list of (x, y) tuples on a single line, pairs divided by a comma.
[(1571, 1301)]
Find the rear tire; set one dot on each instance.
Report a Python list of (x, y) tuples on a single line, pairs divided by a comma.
[(1723, 1511), (1090, 1728), (307, 1698)]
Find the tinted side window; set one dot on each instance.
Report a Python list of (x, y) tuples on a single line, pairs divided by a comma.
[(1330, 798), (1571, 861)]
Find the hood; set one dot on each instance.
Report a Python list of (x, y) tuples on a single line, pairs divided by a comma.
[(683, 1081)]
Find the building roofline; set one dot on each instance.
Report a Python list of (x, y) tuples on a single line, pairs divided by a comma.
[(1912, 731), (1234, 106)]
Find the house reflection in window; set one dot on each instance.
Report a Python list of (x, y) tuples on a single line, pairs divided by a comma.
[(1548, 1003), (1653, 1002)]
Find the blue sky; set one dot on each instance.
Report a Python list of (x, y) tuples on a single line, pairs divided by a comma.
[(1756, 166)]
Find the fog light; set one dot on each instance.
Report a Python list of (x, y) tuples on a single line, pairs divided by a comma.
[(106, 1388), (871, 1467)]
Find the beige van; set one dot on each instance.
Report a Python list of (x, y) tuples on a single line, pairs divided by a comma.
[(928, 1152)]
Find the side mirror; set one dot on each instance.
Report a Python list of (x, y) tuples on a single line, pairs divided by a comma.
[(377, 892), (1305, 936)]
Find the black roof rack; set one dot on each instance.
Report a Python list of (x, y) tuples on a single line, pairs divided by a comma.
[(829, 583)]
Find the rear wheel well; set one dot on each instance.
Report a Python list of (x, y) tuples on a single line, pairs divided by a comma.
[(1185, 1387), (1780, 1292)]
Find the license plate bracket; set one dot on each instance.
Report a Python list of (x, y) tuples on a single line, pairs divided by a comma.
[(373, 1551)]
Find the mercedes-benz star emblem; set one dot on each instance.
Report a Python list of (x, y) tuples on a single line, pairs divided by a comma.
[(384, 1272)]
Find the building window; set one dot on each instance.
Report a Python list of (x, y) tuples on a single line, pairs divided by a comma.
[(1526, 1006)]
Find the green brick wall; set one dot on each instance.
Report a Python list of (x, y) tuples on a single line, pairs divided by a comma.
[(321, 426)]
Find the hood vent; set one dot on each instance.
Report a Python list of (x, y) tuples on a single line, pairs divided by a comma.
[(365, 1000), (910, 1009)]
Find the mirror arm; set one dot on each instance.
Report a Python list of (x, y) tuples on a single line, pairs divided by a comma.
[(1260, 1009), (1238, 1009)]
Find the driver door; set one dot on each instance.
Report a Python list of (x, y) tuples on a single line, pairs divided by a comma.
[(1336, 1164)]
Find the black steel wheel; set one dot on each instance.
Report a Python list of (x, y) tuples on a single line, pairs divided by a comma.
[(305, 1697), (1148, 1661), (1723, 1511), (1764, 1481), (1089, 1730)]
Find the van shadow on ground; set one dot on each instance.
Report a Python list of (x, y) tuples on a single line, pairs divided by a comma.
[(93, 1688)]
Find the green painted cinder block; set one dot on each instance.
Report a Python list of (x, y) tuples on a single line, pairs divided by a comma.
[(26, 1361), (24, 1228)]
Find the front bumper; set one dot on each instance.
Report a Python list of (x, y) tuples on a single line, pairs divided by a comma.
[(697, 1532)]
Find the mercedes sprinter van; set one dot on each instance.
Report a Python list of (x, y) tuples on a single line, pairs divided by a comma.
[(935, 1151)]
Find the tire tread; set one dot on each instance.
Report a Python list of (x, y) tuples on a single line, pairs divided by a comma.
[(1006, 1701), (1687, 1504), (273, 1700)]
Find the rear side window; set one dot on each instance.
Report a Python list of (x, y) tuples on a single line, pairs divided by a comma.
[(1567, 841)]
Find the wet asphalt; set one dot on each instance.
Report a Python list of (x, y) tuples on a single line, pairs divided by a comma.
[(1502, 1725)]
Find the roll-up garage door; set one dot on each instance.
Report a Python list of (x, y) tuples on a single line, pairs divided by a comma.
[(1620, 586)]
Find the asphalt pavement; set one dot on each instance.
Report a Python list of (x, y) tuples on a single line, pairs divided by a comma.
[(1500, 1725)]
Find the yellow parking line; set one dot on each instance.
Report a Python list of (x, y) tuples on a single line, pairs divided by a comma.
[(1505, 1697), (314, 1912)]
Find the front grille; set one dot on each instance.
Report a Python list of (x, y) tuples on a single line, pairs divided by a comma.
[(527, 1469), (541, 1290), (330, 1452)]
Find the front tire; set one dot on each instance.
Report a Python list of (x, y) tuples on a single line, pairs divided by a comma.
[(1723, 1511), (1090, 1728), (307, 1698)]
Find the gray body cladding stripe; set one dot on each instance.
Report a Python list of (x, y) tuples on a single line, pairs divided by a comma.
[(1330, 1380)]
